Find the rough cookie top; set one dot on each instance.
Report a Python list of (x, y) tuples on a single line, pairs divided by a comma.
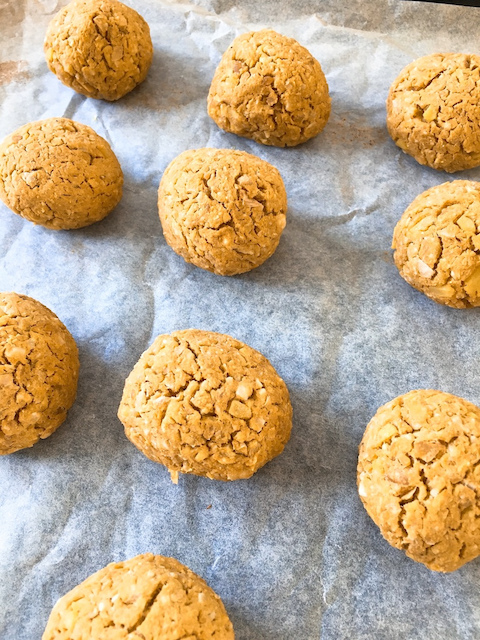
[(38, 372), (204, 403), (269, 88), (419, 477), (146, 598), (59, 173), (222, 210), (100, 48), (437, 243), (432, 111)]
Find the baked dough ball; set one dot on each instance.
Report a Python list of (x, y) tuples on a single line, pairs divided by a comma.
[(432, 111), (437, 243), (59, 173), (146, 598), (222, 210), (204, 403), (38, 372), (269, 88), (100, 48), (419, 477)]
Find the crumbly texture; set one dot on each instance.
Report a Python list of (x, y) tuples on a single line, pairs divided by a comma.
[(146, 598), (222, 210), (432, 111), (204, 403), (38, 372), (419, 477), (100, 48), (269, 88), (437, 243), (59, 173)]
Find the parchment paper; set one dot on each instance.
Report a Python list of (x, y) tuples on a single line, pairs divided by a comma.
[(291, 552)]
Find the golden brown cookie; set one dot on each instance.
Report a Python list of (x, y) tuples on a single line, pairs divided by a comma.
[(38, 372), (145, 598), (419, 477), (432, 111), (100, 48), (437, 243), (59, 173), (269, 88), (222, 210), (204, 403)]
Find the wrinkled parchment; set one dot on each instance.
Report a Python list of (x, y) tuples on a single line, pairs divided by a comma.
[(291, 551)]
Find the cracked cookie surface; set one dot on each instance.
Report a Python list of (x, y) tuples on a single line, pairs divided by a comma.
[(433, 114), (38, 372), (59, 173), (419, 477), (437, 243), (148, 597), (100, 48), (204, 403), (269, 88), (222, 210)]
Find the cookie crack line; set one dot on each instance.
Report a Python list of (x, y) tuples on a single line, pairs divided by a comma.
[(147, 608)]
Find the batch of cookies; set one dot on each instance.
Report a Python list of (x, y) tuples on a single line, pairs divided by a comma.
[(204, 403)]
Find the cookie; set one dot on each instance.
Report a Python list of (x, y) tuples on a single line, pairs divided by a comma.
[(419, 477), (222, 210), (437, 243), (204, 403), (100, 48), (59, 173), (432, 111), (269, 88), (148, 597), (38, 372)]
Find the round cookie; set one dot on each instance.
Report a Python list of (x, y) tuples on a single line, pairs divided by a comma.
[(437, 243), (419, 477), (38, 372), (269, 88), (204, 403), (100, 48), (432, 111), (59, 173), (148, 597), (222, 210)]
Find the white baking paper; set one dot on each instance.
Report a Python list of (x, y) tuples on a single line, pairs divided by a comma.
[(291, 551)]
